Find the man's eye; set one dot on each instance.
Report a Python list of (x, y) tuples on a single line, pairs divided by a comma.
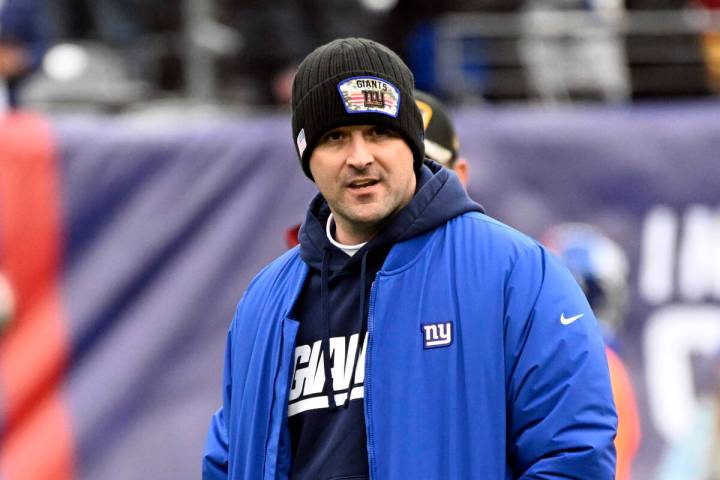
[(332, 137), (381, 131)]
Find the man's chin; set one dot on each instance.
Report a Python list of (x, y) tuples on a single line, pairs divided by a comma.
[(366, 220), (365, 217)]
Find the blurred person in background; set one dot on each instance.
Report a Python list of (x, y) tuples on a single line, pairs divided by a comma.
[(695, 454), (409, 335), (441, 145), (114, 22), (564, 65), (441, 141), (711, 46), (420, 40), (277, 34), (145, 36), (23, 41), (600, 266), (666, 61)]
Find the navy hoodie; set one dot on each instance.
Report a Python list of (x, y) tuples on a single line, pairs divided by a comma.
[(326, 418)]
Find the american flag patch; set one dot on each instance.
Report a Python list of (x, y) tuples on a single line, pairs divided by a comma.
[(301, 143), (369, 94)]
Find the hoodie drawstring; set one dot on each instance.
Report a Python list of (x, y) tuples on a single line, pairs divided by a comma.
[(325, 314), (363, 325)]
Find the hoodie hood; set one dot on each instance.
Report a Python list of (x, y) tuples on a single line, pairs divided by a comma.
[(439, 197)]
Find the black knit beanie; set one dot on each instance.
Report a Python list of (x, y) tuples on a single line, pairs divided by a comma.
[(353, 81)]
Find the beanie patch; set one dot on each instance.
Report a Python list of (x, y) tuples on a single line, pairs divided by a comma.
[(369, 95)]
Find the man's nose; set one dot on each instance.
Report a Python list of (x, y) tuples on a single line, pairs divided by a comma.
[(359, 155)]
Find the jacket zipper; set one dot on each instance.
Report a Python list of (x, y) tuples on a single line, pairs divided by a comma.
[(368, 375)]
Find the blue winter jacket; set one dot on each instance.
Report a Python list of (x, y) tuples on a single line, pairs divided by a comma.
[(521, 390)]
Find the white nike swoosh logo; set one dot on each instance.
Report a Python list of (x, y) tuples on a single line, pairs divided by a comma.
[(568, 321)]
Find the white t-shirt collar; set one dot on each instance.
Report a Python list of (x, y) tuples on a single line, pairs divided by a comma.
[(350, 250)]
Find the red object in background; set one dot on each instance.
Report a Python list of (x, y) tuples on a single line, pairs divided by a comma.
[(37, 440), (711, 4), (292, 236)]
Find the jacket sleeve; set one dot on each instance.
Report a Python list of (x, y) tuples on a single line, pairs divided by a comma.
[(561, 415), (215, 455)]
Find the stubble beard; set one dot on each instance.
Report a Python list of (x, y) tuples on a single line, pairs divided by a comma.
[(356, 223)]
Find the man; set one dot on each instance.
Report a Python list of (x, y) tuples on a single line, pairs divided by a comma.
[(441, 141), (409, 335), (23, 41)]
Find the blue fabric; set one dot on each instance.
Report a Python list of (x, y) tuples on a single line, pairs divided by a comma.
[(331, 442), (516, 395)]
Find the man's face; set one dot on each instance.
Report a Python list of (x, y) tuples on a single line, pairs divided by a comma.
[(366, 175)]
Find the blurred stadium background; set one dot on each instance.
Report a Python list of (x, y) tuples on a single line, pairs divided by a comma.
[(147, 173)]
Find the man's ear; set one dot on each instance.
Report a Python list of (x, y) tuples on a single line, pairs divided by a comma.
[(462, 169)]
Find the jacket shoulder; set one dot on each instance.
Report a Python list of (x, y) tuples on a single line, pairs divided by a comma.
[(484, 231), (472, 235)]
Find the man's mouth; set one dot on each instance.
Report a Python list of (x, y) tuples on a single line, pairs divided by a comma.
[(362, 183)]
